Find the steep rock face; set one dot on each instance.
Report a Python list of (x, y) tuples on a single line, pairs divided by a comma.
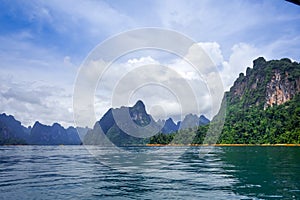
[(120, 126), (107, 121), (74, 135), (263, 106), (11, 131), (251, 81), (41, 135), (268, 83), (281, 89), (139, 115)]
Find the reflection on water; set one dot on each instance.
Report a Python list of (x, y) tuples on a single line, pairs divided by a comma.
[(71, 172)]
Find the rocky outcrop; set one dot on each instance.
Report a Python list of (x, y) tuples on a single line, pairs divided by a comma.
[(281, 89), (123, 126), (263, 107), (268, 83)]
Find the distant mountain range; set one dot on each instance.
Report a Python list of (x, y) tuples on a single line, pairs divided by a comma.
[(263, 106), (189, 121), (133, 126), (12, 132), (119, 133)]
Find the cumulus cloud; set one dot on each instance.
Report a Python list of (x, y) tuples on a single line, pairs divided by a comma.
[(241, 57), (178, 87), (31, 97), (174, 86), (31, 101), (213, 50), (62, 33)]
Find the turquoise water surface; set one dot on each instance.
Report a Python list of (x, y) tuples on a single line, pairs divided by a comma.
[(73, 172)]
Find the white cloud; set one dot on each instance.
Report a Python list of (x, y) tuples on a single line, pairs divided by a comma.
[(31, 101), (88, 17), (167, 84), (242, 56), (213, 50), (175, 85), (141, 61), (242, 31)]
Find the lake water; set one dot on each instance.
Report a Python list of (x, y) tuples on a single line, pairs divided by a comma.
[(77, 172)]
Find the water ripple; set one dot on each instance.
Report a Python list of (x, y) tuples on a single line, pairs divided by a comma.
[(71, 172)]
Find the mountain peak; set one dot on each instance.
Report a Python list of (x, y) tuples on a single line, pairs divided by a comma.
[(37, 123), (260, 61), (169, 126), (56, 124), (170, 120), (140, 104), (203, 120), (11, 117)]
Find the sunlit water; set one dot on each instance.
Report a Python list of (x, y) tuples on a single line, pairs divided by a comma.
[(72, 172)]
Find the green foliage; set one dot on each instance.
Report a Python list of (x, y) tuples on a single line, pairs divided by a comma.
[(253, 125), (247, 122), (162, 138), (187, 136), (119, 138)]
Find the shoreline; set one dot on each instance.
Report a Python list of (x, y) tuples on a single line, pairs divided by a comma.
[(222, 145), (179, 145)]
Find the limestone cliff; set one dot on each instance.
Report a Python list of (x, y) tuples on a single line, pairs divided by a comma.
[(263, 106), (268, 83), (281, 89)]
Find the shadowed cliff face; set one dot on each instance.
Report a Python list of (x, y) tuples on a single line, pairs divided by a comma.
[(11, 131), (108, 129), (53, 135), (139, 115)]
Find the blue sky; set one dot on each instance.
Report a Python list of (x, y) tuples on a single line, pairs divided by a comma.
[(43, 43)]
